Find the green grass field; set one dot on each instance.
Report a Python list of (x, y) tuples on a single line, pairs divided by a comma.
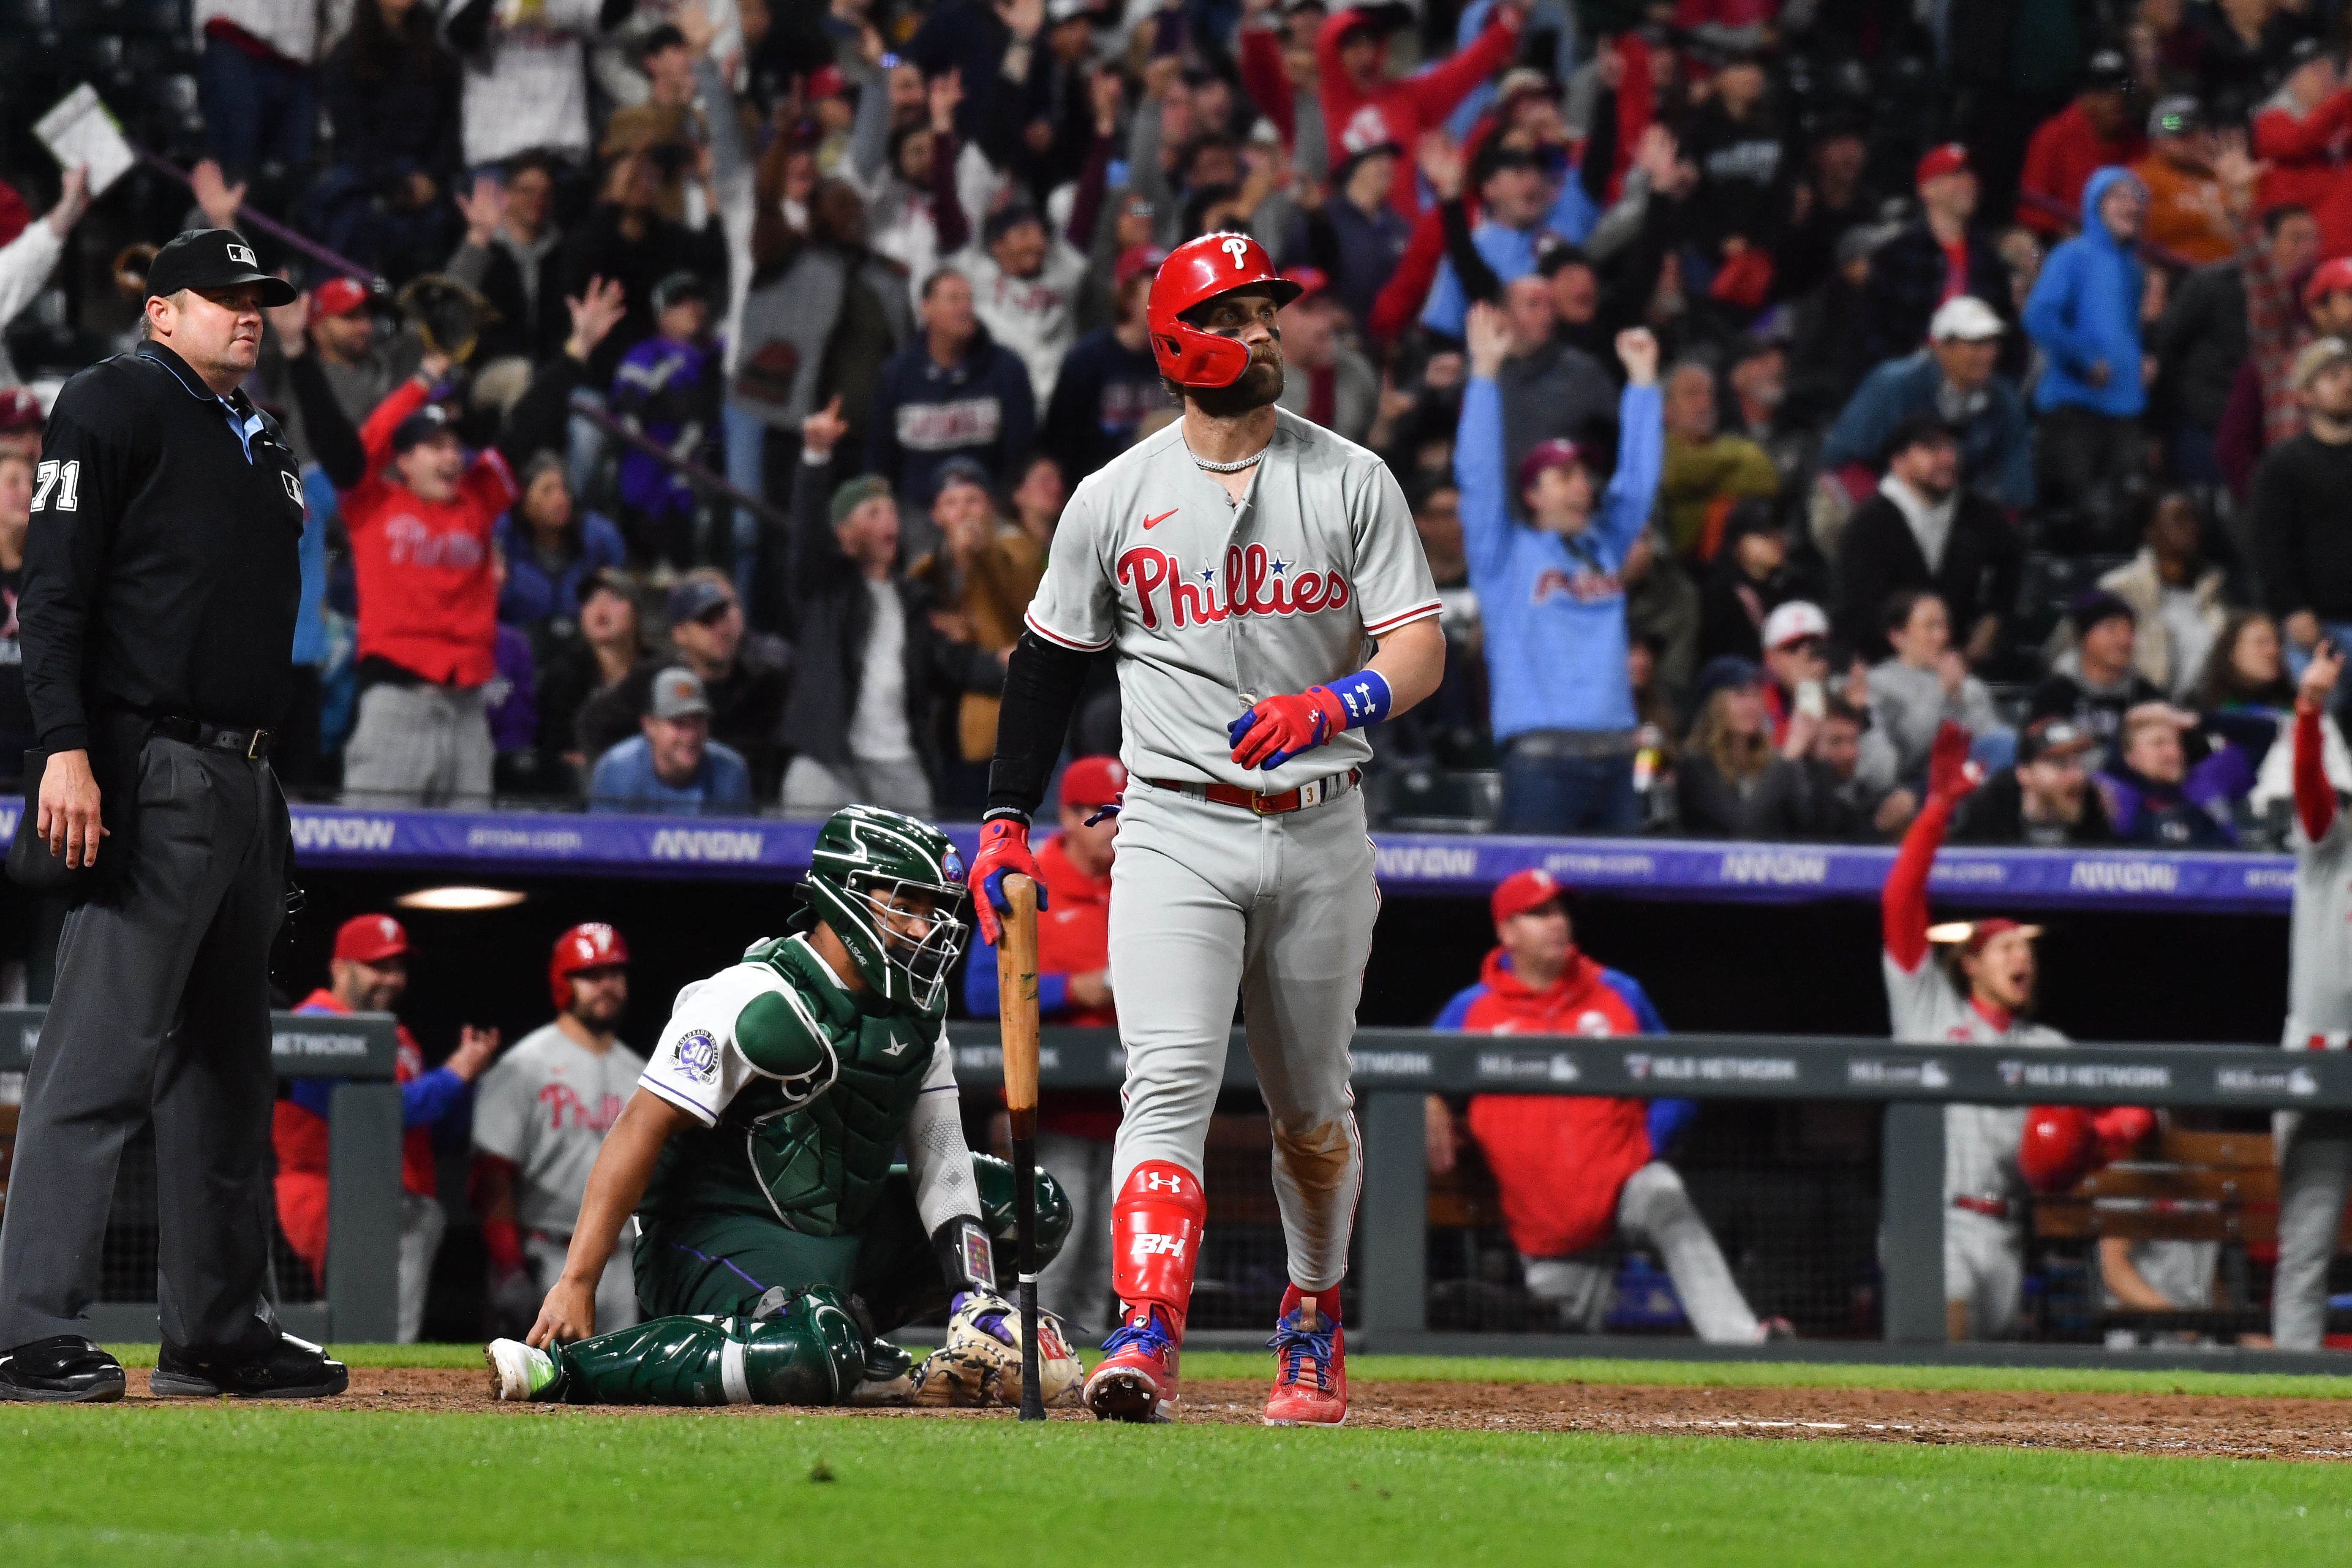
[(263, 1485)]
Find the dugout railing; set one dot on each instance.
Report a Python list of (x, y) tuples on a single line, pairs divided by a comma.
[(1396, 1068), (361, 1291)]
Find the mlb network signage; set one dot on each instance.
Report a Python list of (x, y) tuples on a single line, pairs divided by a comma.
[(757, 848)]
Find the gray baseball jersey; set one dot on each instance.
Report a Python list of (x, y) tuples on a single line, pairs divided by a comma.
[(1980, 1141), (545, 1106), (2314, 1148), (1213, 607), (2319, 939)]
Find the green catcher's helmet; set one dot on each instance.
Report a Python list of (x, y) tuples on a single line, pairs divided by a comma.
[(869, 860)]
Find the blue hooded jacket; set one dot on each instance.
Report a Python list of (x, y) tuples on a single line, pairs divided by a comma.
[(2084, 307), (1554, 609)]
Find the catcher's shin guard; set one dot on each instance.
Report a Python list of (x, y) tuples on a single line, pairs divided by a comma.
[(811, 1354), (1156, 1226)]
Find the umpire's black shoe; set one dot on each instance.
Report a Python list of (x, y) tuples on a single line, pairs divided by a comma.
[(283, 1368), (63, 1370)]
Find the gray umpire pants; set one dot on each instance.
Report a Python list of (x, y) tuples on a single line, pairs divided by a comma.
[(2315, 1157), (161, 1013)]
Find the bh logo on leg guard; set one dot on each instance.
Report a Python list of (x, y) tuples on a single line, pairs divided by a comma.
[(1155, 1231)]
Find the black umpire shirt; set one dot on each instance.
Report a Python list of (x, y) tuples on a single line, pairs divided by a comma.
[(163, 567)]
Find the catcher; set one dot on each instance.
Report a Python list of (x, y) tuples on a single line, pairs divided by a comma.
[(777, 1239)]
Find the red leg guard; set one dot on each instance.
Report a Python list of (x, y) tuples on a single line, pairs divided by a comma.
[(1156, 1225)]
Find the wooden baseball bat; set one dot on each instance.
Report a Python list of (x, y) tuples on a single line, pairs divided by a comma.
[(1017, 979)]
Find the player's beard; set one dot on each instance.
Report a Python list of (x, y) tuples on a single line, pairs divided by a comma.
[(600, 1013), (1259, 386)]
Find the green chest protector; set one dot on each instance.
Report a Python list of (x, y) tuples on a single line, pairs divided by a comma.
[(812, 1141)]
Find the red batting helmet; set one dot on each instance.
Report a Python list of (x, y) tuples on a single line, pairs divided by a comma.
[(1198, 270), (591, 946), (2059, 1147)]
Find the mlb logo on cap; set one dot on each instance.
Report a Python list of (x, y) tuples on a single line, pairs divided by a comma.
[(244, 254)]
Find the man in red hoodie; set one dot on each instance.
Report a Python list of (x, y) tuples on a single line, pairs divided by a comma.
[(2094, 130), (420, 514), (1074, 1126), (1364, 106), (367, 974), (1577, 1173)]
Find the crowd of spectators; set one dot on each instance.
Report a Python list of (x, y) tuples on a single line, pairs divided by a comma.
[(1996, 379)]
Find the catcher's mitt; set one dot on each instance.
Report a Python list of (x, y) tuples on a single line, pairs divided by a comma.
[(981, 1362)]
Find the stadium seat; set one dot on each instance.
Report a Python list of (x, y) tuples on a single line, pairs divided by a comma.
[(2049, 584), (1434, 800), (129, 18)]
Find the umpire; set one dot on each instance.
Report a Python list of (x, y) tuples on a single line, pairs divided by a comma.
[(157, 622)]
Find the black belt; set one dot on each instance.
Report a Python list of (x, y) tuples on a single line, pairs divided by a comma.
[(250, 744)]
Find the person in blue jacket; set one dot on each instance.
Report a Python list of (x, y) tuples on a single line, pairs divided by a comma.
[(2083, 314), (1551, 596)]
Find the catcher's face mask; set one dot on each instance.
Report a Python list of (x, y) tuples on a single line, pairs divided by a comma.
[(922, 928)]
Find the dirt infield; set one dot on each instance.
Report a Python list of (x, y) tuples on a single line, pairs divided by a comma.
[(2137, 1424)]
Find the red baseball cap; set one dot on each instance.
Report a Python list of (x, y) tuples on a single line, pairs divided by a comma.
[(1094, 781), (2331, 276), (371, 939), (1552, 454), (1984, 931), (827, 81), (19, 410), (1135, 260), (1524, 890), (1311, 281), (1950, 158), (338, 297)]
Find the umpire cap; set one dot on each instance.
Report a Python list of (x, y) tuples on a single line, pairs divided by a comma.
[(213, 258)]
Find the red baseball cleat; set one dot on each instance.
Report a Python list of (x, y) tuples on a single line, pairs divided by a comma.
[(1310, 1365), (1138, 1376)]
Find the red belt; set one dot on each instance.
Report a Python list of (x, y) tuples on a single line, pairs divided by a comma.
[(1314, 793), (1995, 1208)]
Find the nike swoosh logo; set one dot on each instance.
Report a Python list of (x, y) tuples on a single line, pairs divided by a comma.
[(1151, 522)]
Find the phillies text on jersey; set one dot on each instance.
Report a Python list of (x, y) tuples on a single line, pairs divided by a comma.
[(1213, 605)]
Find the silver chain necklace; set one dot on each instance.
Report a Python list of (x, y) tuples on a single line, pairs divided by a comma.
[(1207, 467)]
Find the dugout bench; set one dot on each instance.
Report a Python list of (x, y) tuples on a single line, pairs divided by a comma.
[(1396, 1069), (361, 1291)]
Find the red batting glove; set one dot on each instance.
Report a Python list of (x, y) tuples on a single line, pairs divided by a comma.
[(2121, 1130), (1003, 847), (1279, 728), (1951, 774)]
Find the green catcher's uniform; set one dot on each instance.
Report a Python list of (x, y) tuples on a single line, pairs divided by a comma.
[(779, 1236)]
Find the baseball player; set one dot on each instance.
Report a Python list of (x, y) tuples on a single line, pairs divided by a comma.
[(2315, 1148), (1983, 1001), (776, 1236), (369, 974), (540, 1115), (1244, 561), (1576, 1172)]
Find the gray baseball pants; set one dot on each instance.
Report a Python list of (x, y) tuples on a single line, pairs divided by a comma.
[(1076, 1288), (2314, 1156), (1984, 1271), (1213, 902), (1654, 1210)]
